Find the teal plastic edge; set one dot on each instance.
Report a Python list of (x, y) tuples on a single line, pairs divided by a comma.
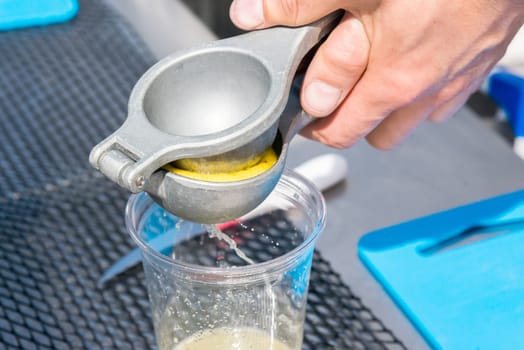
[(23, 13)]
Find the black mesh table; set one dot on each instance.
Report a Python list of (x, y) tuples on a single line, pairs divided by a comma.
[(62, 89)]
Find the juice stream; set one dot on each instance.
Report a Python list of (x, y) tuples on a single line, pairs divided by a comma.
[(224, 338), (215, 232)]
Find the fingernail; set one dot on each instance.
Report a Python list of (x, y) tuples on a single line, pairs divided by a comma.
[(247, 14), (321, 98)]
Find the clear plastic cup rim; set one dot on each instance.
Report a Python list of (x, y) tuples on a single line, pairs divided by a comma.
[(280, 263)]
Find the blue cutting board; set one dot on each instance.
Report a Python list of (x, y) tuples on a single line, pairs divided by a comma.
[(459, 294)]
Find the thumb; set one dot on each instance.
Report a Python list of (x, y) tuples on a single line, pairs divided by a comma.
[(257, 14)]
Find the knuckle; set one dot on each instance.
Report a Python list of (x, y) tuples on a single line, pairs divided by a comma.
[(289, 10), (402, 87), (380, 143), (344, 58), (450, 90), (333, 140), (346, 55), (341, 143), (439, 118)]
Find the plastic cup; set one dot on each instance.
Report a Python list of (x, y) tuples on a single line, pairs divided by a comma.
[(205, 296)]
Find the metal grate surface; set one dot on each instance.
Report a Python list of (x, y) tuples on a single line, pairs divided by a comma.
[(62, 89)]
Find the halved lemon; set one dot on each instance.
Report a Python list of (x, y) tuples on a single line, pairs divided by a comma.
[(267, 160)]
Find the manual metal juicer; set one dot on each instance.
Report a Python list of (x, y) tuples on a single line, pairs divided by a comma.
[(216, 107)]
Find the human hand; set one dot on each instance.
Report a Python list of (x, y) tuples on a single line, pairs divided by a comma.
[(390, 64)]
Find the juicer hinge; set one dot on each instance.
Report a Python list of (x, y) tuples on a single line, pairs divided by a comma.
[(115, 164)]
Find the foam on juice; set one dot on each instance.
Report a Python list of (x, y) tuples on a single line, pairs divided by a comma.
[(231, 339)]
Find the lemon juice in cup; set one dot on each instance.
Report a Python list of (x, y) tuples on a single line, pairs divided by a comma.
[(234, 339), (203, 296)]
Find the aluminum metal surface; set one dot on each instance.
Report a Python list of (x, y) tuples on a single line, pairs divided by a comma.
[(216, 105)]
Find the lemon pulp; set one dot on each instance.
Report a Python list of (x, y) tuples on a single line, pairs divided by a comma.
[(267, 160)]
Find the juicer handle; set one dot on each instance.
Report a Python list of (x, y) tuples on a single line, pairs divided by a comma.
[(293, 118), (328, 23)]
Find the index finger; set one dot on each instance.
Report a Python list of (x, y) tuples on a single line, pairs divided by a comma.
[(257, 14)]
